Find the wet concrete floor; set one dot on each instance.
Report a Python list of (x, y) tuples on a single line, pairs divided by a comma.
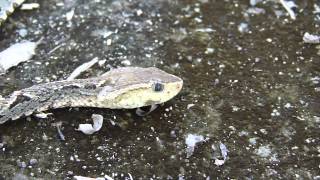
[(250, 85)]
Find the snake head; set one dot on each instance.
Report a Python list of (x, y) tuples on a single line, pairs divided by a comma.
[(136, 87)]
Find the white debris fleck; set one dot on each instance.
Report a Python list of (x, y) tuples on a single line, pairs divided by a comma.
[(263, 131), (316, 8), (89, 128), (109, 41), (221, 66), (253, 141), (310, 38), (224, 151), (16, 54), (102, 62), (224, 154), (275, 112), (102, 32), (29, 6), (69, 15), (243, 27), (22, 32), (43, 115), (139, 12), (255, 11), (289, 5), (198, 20), (235, 108), (191, 141), (269, 40), (38, 79), (315, 80), (263, 151), (190, 106), (82, 68), (59, 4), (126, 62), (106, 177), (219, 162), (209, 51), (207, 30), (287, 105), (130, 176), (149, 22), (243, 133), (97, 121), (86, 129)]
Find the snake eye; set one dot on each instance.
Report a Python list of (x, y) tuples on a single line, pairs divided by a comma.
[(158, 87)]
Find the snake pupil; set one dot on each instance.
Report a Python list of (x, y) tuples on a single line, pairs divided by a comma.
[(158, 87)]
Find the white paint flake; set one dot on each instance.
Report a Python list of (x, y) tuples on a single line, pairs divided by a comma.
[(190, 106), (126, 62), (224, 154), (191, 141), (69, 15), (82, 68), (42, 115), (17, 53), (89, 129), (263, 151), (310, 38), (102, 32), (289, 5), (207, 30), (29, 6)]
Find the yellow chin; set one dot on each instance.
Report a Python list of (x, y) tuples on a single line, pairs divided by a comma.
[(146, 96)]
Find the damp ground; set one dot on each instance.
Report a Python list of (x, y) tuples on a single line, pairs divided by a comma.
[(250, 85)]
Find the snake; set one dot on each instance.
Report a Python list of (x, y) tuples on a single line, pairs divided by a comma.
[(120, 88)]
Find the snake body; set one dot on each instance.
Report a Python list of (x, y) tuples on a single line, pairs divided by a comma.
[(122, 88)]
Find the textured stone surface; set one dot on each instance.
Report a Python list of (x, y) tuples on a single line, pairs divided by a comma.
[(254, 90)]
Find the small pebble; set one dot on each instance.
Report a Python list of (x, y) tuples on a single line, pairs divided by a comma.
[(33, 161), (109, 41), (139, 12), (21, 164)]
